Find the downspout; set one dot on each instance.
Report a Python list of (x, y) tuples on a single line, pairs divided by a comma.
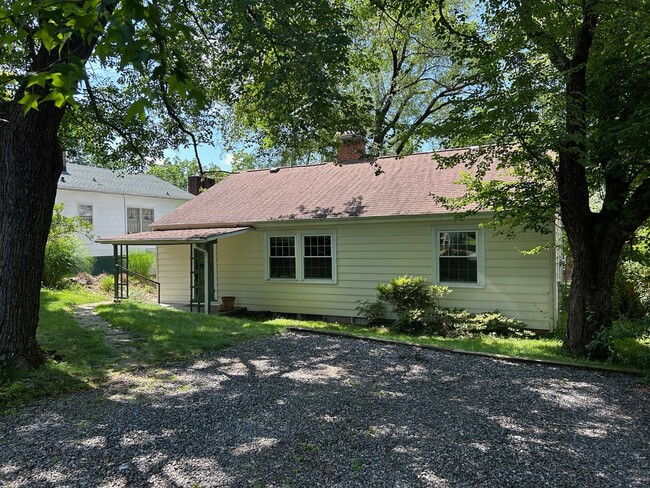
[(115, 274), (206, 279), (216, 270)]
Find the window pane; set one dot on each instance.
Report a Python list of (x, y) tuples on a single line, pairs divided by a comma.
[(458, 257), (282, 257), (282, 246), (318, 268), (132, 220), (147, 218), (282, 268), (317, 257), (86, 212)]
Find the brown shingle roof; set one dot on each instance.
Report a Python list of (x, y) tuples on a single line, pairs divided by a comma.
[(323, 191)]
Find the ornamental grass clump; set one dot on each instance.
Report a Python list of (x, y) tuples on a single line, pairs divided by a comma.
[(65, 253), (142, 262)]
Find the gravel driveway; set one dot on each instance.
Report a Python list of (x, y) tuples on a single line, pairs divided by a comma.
[(307, 410)]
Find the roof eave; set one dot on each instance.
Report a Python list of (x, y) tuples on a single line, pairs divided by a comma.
[(146, 195), (210, 225), (164, 241)]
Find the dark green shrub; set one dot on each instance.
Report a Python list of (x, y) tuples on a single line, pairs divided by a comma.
[(626, 297), (462, 323), (636, 329), (495, 323), (626, 341), (412, 300), (373, 312)]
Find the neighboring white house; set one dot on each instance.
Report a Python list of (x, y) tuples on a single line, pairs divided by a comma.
[(313, 240), (115, 203)]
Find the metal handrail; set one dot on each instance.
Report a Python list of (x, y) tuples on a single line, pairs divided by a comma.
[(128, 271)]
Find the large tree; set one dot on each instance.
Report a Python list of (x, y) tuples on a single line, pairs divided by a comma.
[(565, 97), (401, 80), (126, 78)]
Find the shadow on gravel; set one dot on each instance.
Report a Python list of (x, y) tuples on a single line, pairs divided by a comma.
[(302, 410)]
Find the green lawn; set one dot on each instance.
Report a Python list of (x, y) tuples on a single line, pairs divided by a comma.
[(84, 357), (83, 352), (163, 334), (169, 334)]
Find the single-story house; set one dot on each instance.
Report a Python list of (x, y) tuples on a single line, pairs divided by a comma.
[(115, 203), (314, 240)]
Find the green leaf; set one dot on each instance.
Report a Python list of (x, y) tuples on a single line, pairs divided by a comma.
[(57, 97), (39, 79), (137, 108), (29, 101), (47, 34)]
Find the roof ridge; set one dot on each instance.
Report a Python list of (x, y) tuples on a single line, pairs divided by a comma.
[(366, 160), (98, 179)]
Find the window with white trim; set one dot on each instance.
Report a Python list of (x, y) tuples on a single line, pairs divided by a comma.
[(317, 257), (138, 219), (458, 257), (85, 211), (282, 257), (301, 257)]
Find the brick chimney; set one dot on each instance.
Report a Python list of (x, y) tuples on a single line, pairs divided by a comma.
[(197, 183), (353, 147)]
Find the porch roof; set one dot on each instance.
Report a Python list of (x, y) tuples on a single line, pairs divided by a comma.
[(176, 236)]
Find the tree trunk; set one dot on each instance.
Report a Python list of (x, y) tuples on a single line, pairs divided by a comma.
[(30, 165), (590, 297)]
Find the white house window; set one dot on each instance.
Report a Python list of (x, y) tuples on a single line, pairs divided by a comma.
[(138, 219), (317, 257), (458, 254), (301, 257), (85, 211), (282, 257)]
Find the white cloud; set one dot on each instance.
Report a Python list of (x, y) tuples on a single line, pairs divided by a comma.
[(228, 161)]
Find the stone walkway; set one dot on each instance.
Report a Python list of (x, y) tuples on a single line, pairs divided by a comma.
[(120, 341)]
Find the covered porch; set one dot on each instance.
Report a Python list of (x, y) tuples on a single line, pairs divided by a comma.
[(199, 277)]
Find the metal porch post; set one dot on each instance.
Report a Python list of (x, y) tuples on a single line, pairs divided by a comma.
[(206, 279), (115, 273)]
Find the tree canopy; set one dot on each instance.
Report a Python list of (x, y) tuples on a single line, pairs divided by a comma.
[(120, 81), (149, 76), (400, 81), (176, 171)]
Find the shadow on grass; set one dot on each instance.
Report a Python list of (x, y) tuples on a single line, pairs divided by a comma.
[(169, 334), (78, 356)]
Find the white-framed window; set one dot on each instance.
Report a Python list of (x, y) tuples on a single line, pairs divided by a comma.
[(138, 219), (317, 262), (282, 257), (459, 257), (85, 211), (306, 257)]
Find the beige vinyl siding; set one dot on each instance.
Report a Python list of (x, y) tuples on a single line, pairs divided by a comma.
[(173, 265), (369, 253)]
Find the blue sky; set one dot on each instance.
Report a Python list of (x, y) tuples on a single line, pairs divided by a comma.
[(210, 155)]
